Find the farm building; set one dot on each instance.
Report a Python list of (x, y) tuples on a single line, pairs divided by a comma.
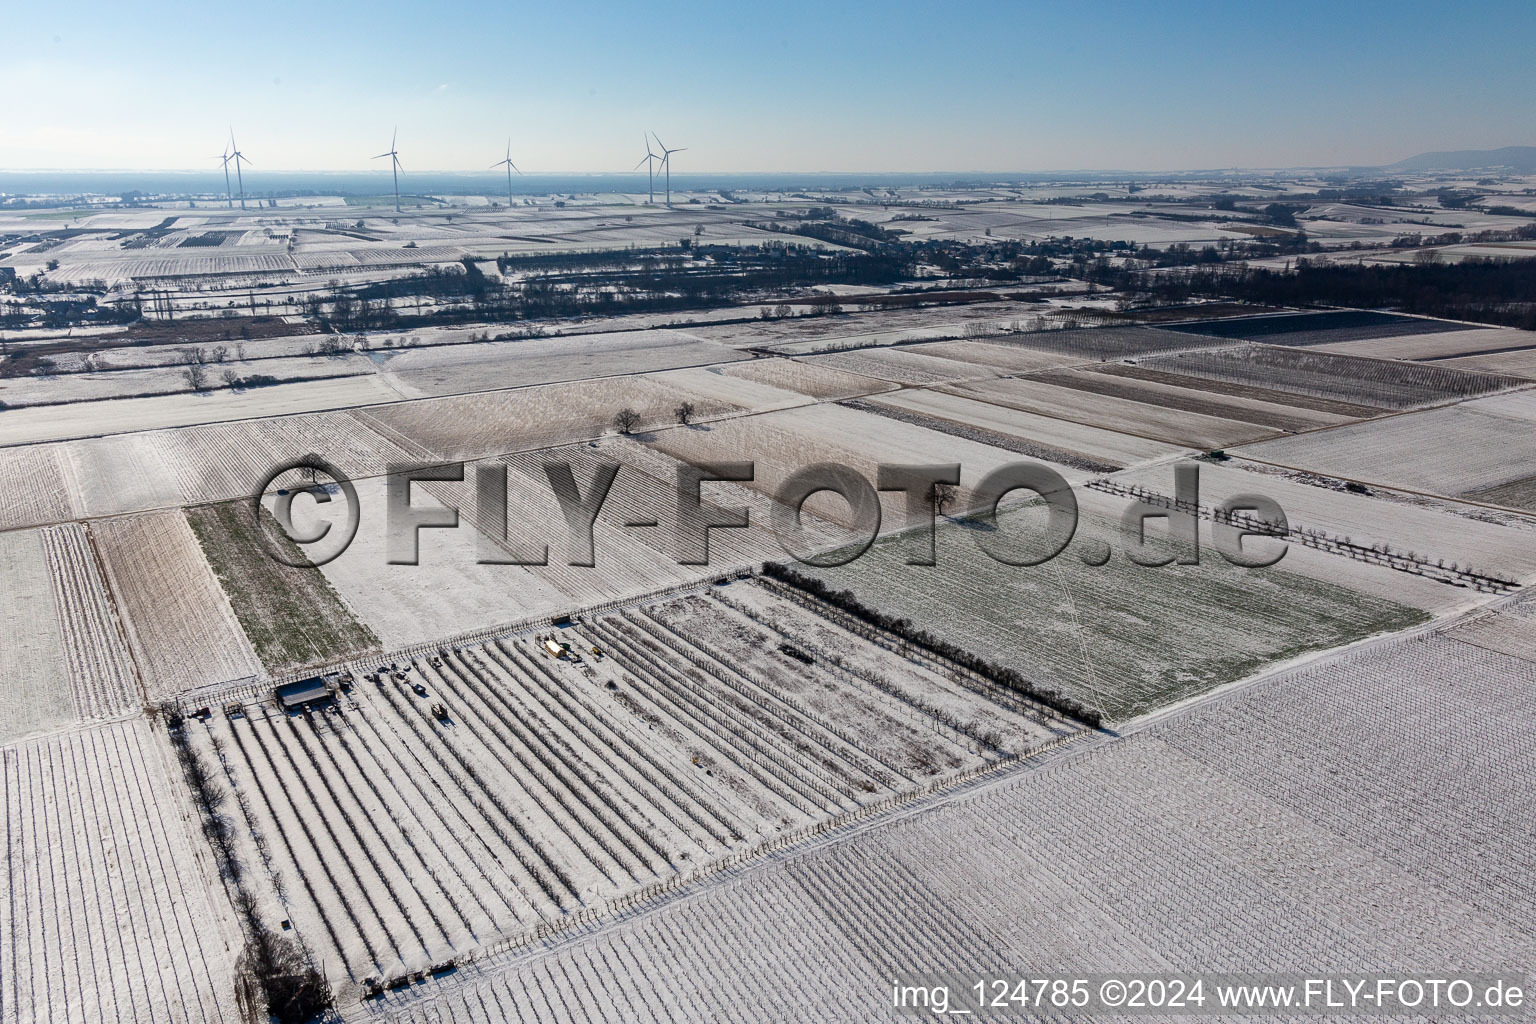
[(301, 694)]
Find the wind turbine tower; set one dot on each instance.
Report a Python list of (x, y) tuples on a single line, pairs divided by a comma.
[(228, 191), (238, 157), (650, 167), (394, 164), (510, 168), (666, 163)]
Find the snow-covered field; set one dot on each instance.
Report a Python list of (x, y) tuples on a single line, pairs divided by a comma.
[(94, 419), (422, 372), (724, 768), (813, 378), (229, 460), (1000, 354), (179, 623), (1052, 429), (33, 487), (521, 419), (122, 473), (1120, 637), (1192, 395), (780, 444), (109, 910), (90, 387), (102, 672), (447, 594), (1439, 345), (1382, 383), (452, 591), (1173, 426), (1521, 361), (34, 679), (1365, 810), (1437, 532), (1448, 451), (902, 366), (549, 788)]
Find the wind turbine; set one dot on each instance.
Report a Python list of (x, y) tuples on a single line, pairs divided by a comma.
[(394, 164), (650, 168), (228, 192), (666, 163), (510, 168), (237, 157)]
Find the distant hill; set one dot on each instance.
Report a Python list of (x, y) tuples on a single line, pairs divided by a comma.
[(1521, 158)]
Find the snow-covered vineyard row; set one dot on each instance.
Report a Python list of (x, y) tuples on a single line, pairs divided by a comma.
[(373, 257), (101, 669), (105, 914), (63, 656), (229, 460), (114, 271), (32, 488), (461, 801), (178, 620), (1193, 846), (1383, 383)]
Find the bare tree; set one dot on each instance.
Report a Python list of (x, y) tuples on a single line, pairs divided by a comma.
[(943, 496), (231, 379), (626, 419), (195, 376), (684, 412), (308, 466)]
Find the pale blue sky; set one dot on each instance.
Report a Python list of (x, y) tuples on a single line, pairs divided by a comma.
[(770, 87)]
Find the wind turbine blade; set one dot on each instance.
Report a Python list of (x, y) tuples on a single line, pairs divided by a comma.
[(497, 164), (643, 160), (398, 165), (513, 166), (381, 156), (663, 145), (393, 138)]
